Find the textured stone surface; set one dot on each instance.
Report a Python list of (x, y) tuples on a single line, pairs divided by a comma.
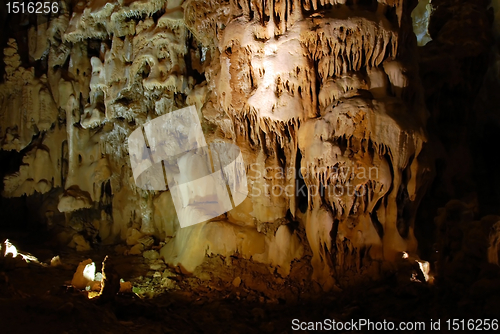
[(320, 96)]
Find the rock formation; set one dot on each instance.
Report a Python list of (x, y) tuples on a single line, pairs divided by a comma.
[(323, 99)]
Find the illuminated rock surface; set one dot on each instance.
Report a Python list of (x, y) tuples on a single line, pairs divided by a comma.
[(315, 96), (341, 112)]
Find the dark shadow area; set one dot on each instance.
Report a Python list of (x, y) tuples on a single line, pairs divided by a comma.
[(43, 295)]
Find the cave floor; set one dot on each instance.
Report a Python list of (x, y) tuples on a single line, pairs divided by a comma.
[(39, 299)]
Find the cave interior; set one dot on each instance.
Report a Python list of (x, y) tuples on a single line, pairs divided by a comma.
[(233, 166)]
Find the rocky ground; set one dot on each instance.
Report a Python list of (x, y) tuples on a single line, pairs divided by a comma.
[(241, 298)]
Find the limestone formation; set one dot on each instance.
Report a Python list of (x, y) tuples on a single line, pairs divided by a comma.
[(320, 96)]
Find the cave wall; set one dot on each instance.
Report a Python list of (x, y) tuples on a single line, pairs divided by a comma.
[(453, 66), (323, 98)]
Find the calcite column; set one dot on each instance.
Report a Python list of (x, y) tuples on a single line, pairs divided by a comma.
[(322, 93)]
